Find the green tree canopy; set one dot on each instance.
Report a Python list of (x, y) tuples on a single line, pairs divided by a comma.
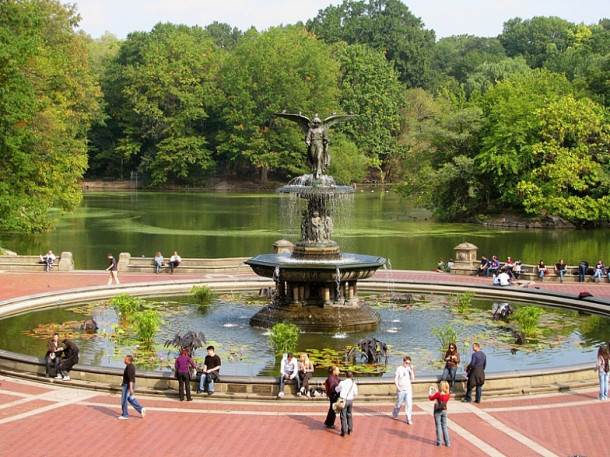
[(284, 68), (385, 25), (48, 98), (163, 86)]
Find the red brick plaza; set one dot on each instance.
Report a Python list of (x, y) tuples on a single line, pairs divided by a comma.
[(42, 419)]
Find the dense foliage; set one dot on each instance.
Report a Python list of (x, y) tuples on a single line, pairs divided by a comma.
[(469, 126), (48, 97)]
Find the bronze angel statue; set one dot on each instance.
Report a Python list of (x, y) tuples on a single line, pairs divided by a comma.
[(316, 139)]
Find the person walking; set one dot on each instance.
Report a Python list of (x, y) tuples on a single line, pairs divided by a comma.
[(330, 386), (348, 390), (452, 360), (128, 386), (476, 374), (183, 365), (603, 367), (112, 268), (405, 373), (440, 412)]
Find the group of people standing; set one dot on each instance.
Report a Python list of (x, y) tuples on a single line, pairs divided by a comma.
[(403, 378)]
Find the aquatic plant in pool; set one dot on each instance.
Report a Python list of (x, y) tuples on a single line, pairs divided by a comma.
[(565, 338)]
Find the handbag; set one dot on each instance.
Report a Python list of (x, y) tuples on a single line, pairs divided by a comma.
[(440, 406), (193, 375), (341, 402)]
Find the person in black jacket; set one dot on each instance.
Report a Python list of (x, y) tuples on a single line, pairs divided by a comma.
[(330, 384), (68, 360), (476, 373)]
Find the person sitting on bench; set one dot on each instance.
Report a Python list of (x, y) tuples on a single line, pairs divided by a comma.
[(174, 261)]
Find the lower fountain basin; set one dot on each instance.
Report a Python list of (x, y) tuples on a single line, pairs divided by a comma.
[(350, 267)]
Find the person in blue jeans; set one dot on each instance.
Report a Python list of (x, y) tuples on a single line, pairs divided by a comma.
[(602, 367), (404, 391), (452, 360), (600, 268), (440, 412), (582, 270), (128, 387), (211, 370)]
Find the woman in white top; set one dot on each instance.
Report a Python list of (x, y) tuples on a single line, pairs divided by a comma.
[(347, 389)]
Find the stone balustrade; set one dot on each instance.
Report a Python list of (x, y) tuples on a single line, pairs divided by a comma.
[(63, 262), (129, 263)]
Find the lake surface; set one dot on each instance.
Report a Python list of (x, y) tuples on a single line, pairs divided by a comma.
[(236, 225)]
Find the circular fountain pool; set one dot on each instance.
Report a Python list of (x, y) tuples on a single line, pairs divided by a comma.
[(567, 337)]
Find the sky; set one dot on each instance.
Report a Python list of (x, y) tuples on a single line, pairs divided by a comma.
[(482, 18)]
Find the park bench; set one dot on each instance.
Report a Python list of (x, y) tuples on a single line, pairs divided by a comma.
[(130, 263)]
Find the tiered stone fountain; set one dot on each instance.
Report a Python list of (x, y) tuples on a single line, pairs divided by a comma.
[(316, 284)]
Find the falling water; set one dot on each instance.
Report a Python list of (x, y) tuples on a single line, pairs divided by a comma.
[(389, 278), (338, 282)]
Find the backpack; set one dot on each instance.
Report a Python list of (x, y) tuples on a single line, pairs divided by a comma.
[(607, 365), (326, 387)]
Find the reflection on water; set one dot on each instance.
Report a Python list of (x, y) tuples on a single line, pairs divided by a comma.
[(569, 338), (236, 225)]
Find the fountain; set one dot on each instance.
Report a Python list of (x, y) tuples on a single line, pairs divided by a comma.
[(316, 284)]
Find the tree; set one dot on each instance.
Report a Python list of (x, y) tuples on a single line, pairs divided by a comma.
[(280, 69), (537, 38), (47, 101), (569, 177), (161, 89), (385, 25), (370, 89), (441, 138), (486, 75), (512, 129), (459, 56)]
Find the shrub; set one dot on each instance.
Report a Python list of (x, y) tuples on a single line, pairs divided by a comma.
[(284, 337), (463, 301), (203, 295), (147, 323), (527, 319), (125, 305), (445, 335)]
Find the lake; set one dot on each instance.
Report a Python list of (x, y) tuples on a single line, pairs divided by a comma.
[(247, 224)]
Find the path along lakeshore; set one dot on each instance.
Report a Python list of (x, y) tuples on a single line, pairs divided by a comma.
[(84, 422)]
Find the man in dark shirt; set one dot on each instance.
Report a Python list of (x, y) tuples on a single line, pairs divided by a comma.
[(128, 386), (330, 385), (211, 370), (476, 374)]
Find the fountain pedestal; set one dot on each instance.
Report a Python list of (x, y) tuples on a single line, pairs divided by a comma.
[(316, 284)]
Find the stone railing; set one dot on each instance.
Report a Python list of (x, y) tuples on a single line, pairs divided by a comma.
[(128, 263), (467, 263), (63, 262)]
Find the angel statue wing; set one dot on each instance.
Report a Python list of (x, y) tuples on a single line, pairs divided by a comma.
[(303, 121)]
